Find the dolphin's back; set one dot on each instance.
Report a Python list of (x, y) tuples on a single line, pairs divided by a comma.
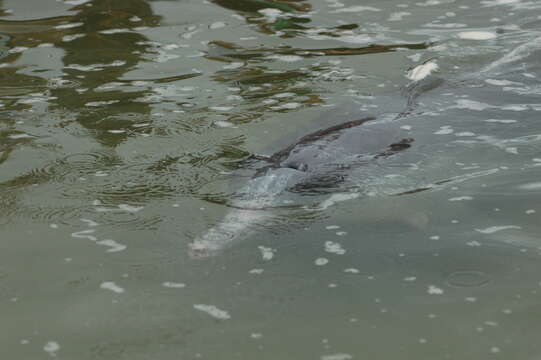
[(326, 153)]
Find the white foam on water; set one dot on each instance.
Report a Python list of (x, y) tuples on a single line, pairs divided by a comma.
[(321, 261), (433, 290), (493, 229), (129, 208), (221, 108), (266, 252), (334, 248), (51, 347), (233, 65), (461, 198), (213, 311), (173, 285), (398, 16), (76, 2), (20, 136), (471, 105), (530, 186), (499, 2), (497, 82), (444, 130), (501, 121), (285, 58), (68, 26), (89, 222), (476, 35), (286, 106), (337, 356), (113, 245), (84, 234), (224, 124), (358, 8), (464, 134), (109, 285)]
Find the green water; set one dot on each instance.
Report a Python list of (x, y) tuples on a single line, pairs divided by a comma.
[(125, 130)]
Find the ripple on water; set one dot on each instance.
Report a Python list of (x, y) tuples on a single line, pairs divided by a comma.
[(469, 278), (91, 162), (111, 350)]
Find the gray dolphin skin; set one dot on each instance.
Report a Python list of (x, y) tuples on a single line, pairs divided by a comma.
[(320, 162)]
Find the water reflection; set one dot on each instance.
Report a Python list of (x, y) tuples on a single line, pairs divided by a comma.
[(96, 58)]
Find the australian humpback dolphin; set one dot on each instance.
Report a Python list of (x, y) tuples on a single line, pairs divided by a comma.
[(316, 163)]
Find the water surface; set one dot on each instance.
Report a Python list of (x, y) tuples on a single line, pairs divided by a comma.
[(124, 131)]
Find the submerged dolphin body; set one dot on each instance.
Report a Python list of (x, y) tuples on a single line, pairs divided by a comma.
[(316, 163), (320, 162)]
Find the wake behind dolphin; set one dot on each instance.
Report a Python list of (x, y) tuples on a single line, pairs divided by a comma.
[(320, 162)]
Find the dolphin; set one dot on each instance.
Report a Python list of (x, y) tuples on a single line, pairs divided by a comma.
[(318, 163), (322, 162)]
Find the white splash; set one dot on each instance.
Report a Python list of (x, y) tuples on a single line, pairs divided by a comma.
[(422, 71), (212, 311)]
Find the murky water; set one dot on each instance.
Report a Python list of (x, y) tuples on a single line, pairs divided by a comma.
[(137, 223)]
